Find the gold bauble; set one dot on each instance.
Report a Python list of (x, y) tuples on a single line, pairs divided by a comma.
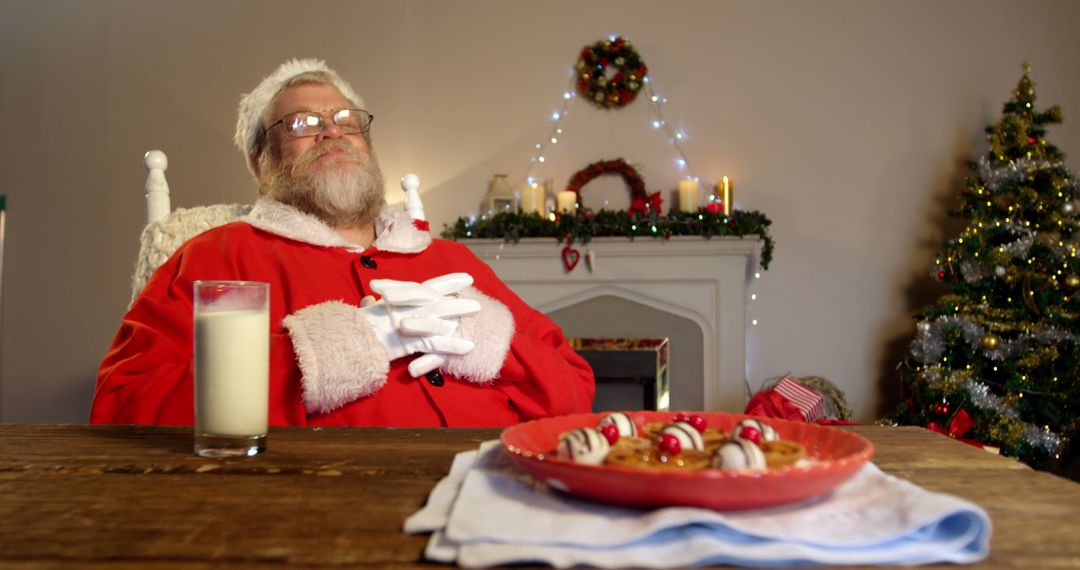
[(1072, 281), (991, 341)]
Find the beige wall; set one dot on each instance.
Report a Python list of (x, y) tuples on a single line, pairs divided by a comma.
[(846, 121)]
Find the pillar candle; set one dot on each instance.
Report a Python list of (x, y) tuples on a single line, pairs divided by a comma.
[(566, 201), (688, 198), (727, 195), (532, 199)]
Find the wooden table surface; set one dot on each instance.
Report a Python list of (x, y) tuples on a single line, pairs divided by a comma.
[(74, 496)]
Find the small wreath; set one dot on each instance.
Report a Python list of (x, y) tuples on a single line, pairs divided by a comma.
[(640, 201), (610, 73)]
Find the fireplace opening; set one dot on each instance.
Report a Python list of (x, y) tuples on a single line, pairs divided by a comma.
[(612, 317), (631, 373)]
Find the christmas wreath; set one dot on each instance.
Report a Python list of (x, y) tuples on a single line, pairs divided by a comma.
[(641, 203), (610, 73)]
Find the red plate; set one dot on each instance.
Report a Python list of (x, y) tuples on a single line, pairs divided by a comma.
[(838, 454)]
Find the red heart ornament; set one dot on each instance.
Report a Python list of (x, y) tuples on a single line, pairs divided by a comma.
[(570, 258)]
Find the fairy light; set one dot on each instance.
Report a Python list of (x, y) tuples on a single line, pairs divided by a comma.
[(659, 123), (674, 137)]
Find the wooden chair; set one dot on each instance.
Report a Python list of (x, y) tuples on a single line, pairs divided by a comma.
[(167, 229)]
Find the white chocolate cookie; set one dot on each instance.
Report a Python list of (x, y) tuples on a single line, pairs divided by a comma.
[(687, 435), (583, 445), (739, 454), (767, 431), (622, 422)]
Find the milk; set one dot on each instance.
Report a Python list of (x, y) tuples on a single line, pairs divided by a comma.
[(232, 372)]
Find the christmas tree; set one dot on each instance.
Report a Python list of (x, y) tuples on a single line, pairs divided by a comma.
[(997, 360)]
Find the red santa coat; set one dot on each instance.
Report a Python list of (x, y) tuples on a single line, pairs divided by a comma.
[(326, 368)]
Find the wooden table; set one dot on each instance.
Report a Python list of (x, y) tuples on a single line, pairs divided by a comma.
[(136, 497)]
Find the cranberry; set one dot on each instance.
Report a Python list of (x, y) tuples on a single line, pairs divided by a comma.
[(610, 432), (698, 422), (669, 443), (751, 434)]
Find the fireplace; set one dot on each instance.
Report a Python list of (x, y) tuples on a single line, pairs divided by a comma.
[(700, 283)]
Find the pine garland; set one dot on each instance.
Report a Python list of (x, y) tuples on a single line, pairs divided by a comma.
[(586, 224)]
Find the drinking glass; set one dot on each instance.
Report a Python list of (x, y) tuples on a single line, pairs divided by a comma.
[(232, 367)]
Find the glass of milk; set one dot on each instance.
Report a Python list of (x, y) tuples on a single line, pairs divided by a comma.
[(232, 367)]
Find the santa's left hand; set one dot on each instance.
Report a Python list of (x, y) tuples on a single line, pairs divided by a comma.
[(427, 309)]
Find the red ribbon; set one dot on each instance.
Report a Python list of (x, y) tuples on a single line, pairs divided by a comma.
[(959, 425)]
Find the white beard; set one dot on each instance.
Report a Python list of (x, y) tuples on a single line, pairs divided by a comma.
[(347, 191)]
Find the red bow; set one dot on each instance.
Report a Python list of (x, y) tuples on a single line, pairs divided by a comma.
[(642, 205), (960, 424)]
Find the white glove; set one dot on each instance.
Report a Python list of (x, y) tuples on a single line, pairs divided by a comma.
[(421, 317)]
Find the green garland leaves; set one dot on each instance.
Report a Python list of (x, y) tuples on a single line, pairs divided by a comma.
[(585, 225)]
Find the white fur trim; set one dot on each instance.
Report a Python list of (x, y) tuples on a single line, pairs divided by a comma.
[(160, 239), (491, 329), (394, 231), (254, 105), (397, 233), (340, 358), (284, 220)]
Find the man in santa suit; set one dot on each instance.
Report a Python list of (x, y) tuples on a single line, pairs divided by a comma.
[(447, 343)]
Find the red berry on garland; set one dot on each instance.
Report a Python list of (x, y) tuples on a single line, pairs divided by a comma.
[(698, 422), (669, 443), (751, 434), (610, 432), (941, 409)]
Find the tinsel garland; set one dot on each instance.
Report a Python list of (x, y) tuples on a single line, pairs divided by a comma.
[(586, 224)]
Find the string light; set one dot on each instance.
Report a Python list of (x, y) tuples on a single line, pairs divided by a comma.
[(659, 122)]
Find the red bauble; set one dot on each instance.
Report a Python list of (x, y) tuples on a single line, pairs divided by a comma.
[(610, 433), (669, 443), (682, 417), (941, 409), (698, 422), (940, 274), (751, 434)]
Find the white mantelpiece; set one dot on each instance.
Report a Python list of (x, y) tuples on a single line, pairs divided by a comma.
[(698, 279)]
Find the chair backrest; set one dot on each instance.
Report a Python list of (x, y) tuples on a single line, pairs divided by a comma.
[(167, 230)]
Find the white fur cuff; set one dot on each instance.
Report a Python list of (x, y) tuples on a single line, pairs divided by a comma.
[(340, 357), (491, 329)]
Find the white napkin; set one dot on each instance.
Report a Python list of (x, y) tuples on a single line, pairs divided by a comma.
[(486, 512)]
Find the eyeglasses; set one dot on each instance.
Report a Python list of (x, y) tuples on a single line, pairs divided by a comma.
[(310, 123)]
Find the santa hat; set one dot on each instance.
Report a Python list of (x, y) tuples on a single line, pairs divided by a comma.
[(255, 104)]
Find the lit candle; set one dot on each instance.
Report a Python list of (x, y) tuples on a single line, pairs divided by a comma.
[(725, 189), (566, 201), (532, 199), (688, 198)]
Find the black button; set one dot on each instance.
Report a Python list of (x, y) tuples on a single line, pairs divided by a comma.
[(435, 377), (368, 262)]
